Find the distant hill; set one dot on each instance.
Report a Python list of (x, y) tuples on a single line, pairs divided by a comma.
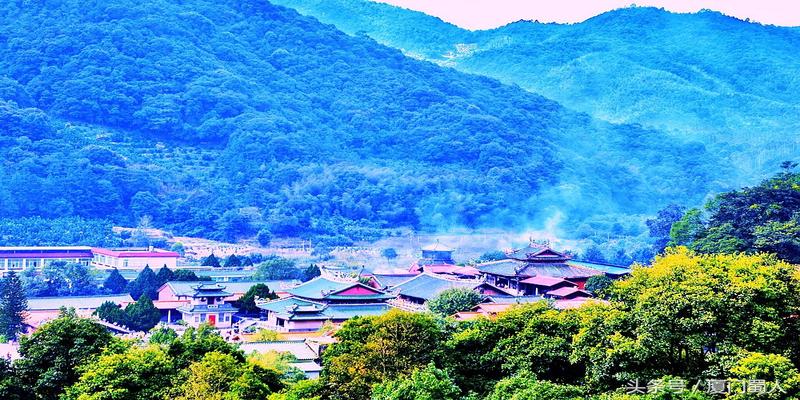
[(222, 118), (728, 83)]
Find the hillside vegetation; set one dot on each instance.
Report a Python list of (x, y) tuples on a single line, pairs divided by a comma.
[(728, 83), (222, 118)]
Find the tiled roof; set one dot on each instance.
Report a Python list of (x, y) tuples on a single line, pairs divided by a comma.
[(513, 299), (321, 288), (520, 268), (77, 302), (298, 348), (294, 308), (505, 267), (426, 286), (436, 247), (609, 269), (567, 291), (391, 280)]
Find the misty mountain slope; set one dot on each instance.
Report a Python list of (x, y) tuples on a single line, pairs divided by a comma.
[(729, 83), (223, 118)]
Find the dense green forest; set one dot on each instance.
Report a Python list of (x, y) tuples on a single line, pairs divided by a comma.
[(728, 83), (223, 118)]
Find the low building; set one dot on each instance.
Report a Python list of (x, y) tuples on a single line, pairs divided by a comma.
[(414, 293), (306, 354), (207, 305), (336, 296), (134, 258), (174, 294), (43, 309), (20, 258), (294, 314), (541, 261)]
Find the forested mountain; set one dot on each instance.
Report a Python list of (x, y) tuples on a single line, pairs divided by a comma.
[(729, 83), (219, 118)]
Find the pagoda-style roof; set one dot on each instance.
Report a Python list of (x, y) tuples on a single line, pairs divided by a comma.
[(537, 253), (325, 289), (209, 290), (515, 268), (437, 247)]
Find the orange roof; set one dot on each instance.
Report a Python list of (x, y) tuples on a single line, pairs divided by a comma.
[(491, 308), (467, 315)]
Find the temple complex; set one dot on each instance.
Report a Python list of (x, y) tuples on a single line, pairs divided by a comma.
[(207, 305)]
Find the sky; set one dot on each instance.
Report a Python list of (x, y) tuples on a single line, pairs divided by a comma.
[(487, 14)]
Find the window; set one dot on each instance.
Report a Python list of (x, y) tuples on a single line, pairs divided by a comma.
[(196, 318), (14, 264), (125, 263), (33, 263), (203, 317), (227, 317)]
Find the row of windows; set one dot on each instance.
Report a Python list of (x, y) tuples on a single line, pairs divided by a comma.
[(204, 317), (18, 264)]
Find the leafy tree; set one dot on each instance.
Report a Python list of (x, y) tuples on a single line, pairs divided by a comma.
[(492, 255), (675, 305), (264, 237), (594, 254), (597, 284), (525, 386), (377, 349), (453, 300), (193, 344), (10, 386), (111, 312), (80, 279), (164, 275), (276, 268), (185, 275), (142, 315), (52, 354), (389, 253), (661, 225), (162, 335), (688, 229), (13, 306), (308, 389), (247, 302), (137, 373), (427, 383), (311, 272), (115, 283), (211, 261), (219, 375), (145, 283)]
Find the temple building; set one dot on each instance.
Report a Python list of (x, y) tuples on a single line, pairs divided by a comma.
[(336, 296), (438, 259), (414, 293), (207, 305), (539, 270)]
